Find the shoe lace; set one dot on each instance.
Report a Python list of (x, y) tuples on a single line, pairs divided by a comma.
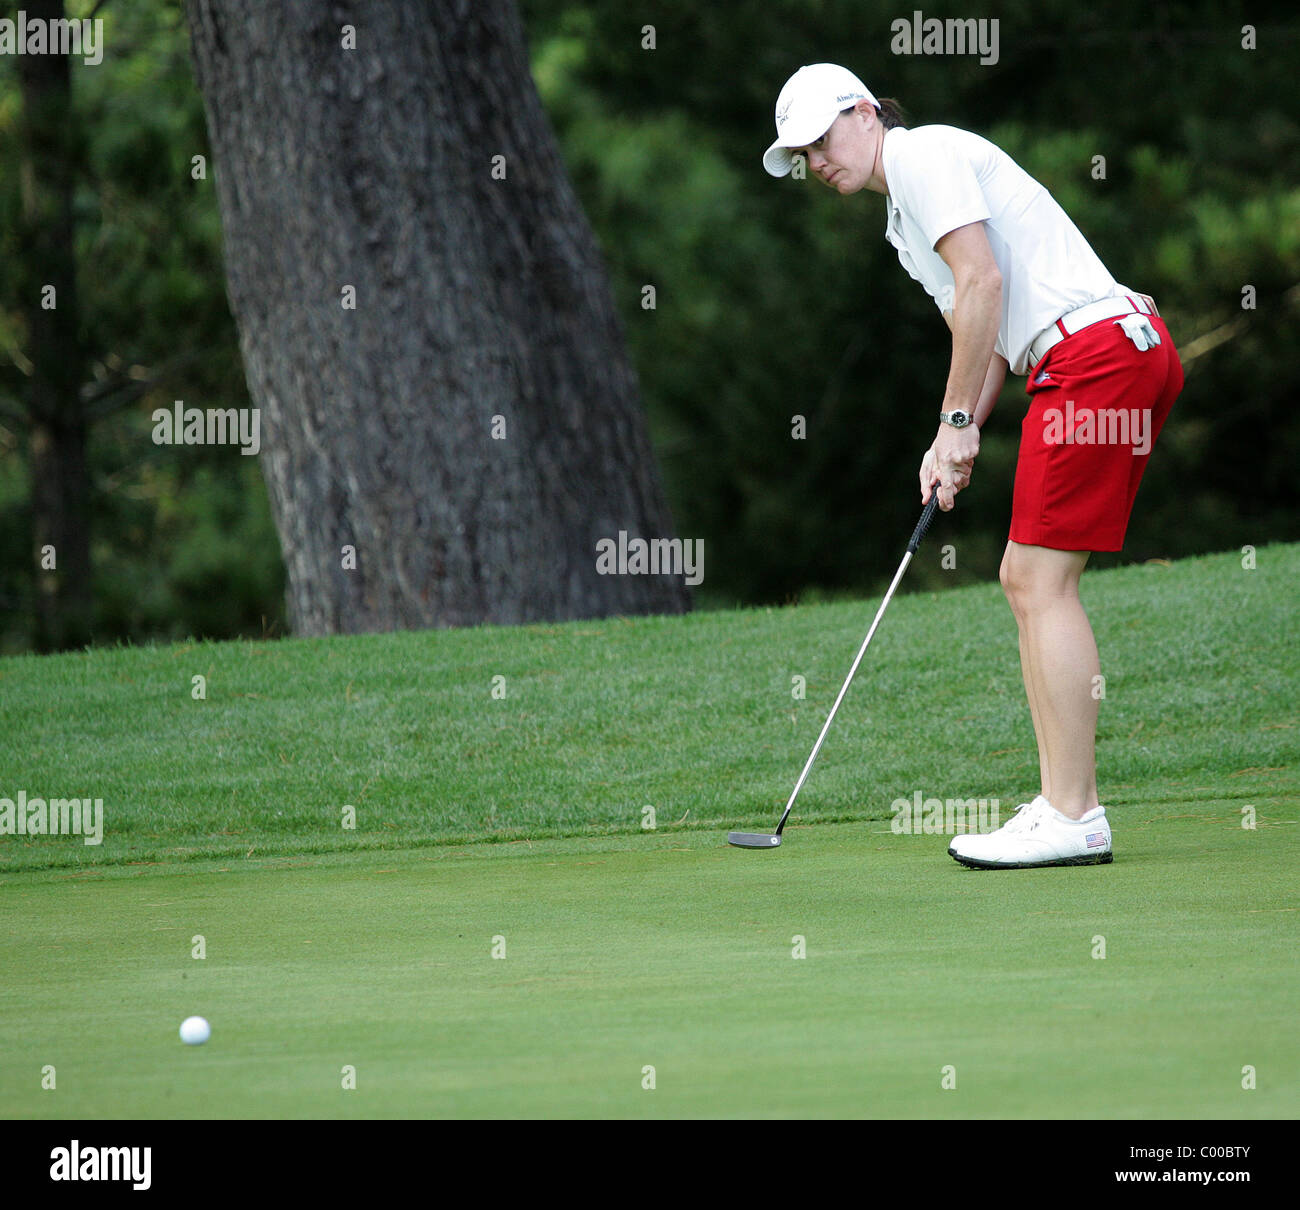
[(1025, 819)]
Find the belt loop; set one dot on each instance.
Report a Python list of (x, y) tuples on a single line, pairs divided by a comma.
[(1134, 305), (1062, 327)]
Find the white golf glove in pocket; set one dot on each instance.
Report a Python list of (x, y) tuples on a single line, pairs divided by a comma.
[(1138, 329)]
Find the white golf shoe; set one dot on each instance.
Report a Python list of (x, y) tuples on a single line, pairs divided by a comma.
[(1037, 835)]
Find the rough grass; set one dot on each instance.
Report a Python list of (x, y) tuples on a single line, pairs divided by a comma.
[(695, 717)]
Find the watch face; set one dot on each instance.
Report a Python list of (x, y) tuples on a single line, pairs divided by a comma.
[(959, 418)]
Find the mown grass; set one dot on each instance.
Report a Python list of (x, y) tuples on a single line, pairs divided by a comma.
[(1160, 986), (545, 978)]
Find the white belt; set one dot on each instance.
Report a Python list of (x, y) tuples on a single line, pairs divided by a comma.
[(1090, 313)]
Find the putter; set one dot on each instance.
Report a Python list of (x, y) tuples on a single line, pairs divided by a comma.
[(761, 840)]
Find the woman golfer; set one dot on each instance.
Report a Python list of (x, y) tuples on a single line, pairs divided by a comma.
[(1019, 286)]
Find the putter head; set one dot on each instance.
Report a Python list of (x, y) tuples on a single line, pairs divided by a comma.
[(753, 840)]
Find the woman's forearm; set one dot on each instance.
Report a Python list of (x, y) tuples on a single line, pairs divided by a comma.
[(992, 388), (977, 310)]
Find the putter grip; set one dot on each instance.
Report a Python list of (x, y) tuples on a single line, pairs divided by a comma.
[(927, 515)]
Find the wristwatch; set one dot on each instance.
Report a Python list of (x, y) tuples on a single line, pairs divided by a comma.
[(957, 418)]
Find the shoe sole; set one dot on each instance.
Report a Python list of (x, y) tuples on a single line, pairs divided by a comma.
[(1088, 859)]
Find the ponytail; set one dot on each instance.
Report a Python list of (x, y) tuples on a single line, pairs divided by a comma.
[(892, 114)]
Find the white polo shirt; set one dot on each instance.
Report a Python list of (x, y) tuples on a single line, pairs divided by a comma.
[(941, 178)]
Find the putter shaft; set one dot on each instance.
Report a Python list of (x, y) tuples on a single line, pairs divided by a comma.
[(927, 514)]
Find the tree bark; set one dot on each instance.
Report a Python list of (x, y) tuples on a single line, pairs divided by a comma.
[(477, 298), (56, 422)]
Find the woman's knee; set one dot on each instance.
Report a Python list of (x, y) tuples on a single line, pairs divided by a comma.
[(1008, 580), (1033, 577)]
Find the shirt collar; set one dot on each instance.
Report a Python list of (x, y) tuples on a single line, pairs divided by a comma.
[(893, 214)]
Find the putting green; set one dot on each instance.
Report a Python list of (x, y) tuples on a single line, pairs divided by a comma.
[(672, 952)]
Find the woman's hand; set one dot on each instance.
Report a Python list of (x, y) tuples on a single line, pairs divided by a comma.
[(950, 460), (929, 474)]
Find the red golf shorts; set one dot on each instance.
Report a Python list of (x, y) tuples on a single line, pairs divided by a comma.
[(1096, 406)]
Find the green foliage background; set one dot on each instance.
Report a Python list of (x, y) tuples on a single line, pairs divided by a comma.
[(182, 537), (778, 298), (773, 298)]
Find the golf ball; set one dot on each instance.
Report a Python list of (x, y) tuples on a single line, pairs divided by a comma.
[(195, 1031)]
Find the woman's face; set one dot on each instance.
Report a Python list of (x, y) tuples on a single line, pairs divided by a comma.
[(845, 155)]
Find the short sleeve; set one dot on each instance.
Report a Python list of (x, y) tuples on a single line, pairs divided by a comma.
[(933, 180)]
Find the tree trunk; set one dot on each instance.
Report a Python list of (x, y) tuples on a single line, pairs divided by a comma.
[(419, 169), (51, 158)]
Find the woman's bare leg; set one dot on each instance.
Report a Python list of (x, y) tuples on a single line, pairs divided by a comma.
[(1058, 656)]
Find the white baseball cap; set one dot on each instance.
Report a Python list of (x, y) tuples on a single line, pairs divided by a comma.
[(809, 103)]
